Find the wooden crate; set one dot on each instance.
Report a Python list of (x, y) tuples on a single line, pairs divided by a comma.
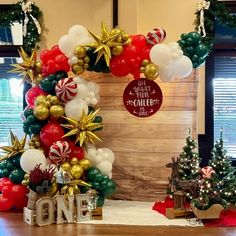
[(97, 214), (29, 216)]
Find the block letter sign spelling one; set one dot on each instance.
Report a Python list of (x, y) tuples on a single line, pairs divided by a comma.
[(142, 97)]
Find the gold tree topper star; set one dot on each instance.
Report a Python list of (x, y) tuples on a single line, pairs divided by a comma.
[(27, 68), (104, 43), (83, 129), (17, 147)]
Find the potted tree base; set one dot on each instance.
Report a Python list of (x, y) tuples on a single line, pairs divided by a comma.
[(213, 212)]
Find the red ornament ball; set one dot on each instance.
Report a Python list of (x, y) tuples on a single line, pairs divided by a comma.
[(157, 35), (59, 152)]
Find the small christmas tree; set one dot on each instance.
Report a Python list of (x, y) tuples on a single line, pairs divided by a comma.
[(189, 160), (225, 172)]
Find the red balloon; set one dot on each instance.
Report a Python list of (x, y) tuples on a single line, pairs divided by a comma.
[(130, 51), (118, 66), (32, 94), (139, 40), (17, 191), (55, 50), (145, 52), (51, 67), (51, 133), (46, 55), (77, 152), (21, 203), (5, 182), (5, 203)]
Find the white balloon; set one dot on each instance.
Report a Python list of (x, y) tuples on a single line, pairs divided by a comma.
[(100, 151), (160, 54), (79, 80), (98, 159), (73, 60), (93, 101), (66, 44), (82, 91), (32, 157), (182, 67), (109, 155), (74, 108), (165, 73), (173, 46), (78, 31), (93, 87), (105, 167)]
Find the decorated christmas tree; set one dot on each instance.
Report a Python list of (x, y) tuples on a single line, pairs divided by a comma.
[(224, 171), (189, 159)]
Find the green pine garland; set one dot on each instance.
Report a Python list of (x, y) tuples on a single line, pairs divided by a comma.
[(217, 11), (15, 14)]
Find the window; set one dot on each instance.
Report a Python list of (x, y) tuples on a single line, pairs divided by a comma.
[(220, 93)]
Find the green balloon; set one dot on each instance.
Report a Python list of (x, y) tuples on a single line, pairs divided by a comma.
[(3, 165), (91, 173), (46, 85), (35, 128), (5, 173), (60, 75), (51, 77), (31, 119), (100, 201), (28, 112), (10, 166), (96, 185), (195, 58), (97, 119), (195, 36), (16, 176), (184, 36), (181, 43), (189, 41), (99, 177), (110, 188), (201, 50), (90, 109), (16, 160), (189, 50), (26, 129)]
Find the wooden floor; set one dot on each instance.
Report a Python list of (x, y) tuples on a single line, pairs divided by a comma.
[(11, 224)]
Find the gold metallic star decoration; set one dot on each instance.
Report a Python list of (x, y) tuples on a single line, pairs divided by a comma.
[(29, 68), (83, 129), (17, 147), (104, 43)]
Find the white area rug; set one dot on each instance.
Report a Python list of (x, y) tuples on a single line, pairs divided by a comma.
[(136, 213)]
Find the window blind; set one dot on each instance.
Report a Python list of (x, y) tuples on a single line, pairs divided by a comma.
[(224, 84)]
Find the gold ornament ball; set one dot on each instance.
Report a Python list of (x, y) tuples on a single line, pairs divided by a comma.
[(86, 65), (117, 50), (48, 104), (86, 59), (38, 66), (41, 99), (77, 69), (76, 171), (125, 36), (80, 62), (74, 161), (56, 111), (65, 166), (85, 163), (115, 31), (119, 39), (25, 182), (41, 112), (151, 71), (80, 51), (39, 78), (54, 100)]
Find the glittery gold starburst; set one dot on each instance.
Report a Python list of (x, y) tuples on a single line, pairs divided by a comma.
[(104, 43), (27, 67), (83, 129), (17, 147)]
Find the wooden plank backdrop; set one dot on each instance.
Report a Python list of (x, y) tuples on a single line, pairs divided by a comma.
[(143, 146)]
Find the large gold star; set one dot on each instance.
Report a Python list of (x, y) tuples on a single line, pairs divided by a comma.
[(104, 43), (83, 129), (17, 147), (27, 68)]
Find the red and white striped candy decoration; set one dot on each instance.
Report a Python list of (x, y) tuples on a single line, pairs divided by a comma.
[(66, 89), (207, 171), (59, 152), (156, 36)]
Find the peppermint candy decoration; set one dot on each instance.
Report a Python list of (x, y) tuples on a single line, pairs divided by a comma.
[(66, 89), (156, 36), (59, 152), (207, 171)]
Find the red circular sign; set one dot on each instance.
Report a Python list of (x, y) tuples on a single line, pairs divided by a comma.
[(142, 97)]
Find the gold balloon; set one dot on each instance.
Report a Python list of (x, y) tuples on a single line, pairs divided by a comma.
[(125, 36), (142, 69), (38, 66), (41, 112), (47, 103), (76, 171), (65, 166), (41, 99), (39, 78), (54, 100), (56, 111), (119, 39), (74, 161), (151, 71), (86, 59), (80, 51), (86, 65), (85, 163), (25, 182), (115, 31), (145, 62), (80, 62), (54, 189), (117, 50), (77, 69)]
